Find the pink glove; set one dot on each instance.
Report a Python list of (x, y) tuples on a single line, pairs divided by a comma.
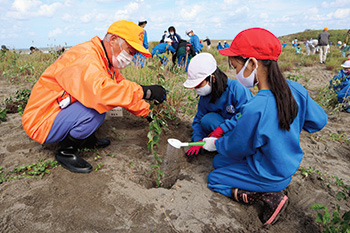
[(193, 151), (217, 133)]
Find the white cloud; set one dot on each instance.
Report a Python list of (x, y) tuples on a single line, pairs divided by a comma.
[(127, 12), (132, 7), (336, 3), (341, 13), (231, 2), (49, 10), (55, 32), (264, 15), (68, 18), (23, 6), (87, 17), (190, 13)]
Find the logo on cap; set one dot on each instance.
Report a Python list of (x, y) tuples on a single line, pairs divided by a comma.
[(230, 109)]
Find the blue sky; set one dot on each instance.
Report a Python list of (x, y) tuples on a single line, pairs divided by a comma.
[(42, 23)]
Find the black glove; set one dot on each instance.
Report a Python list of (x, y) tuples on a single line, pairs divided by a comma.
[(154, 92)]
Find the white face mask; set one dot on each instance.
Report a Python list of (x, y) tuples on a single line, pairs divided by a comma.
[(204, 91), (248, 82), (172, 33), (123, 59)]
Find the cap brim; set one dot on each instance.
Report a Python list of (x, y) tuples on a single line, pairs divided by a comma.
[(193, 83), (345, 66), (140, 48), (227, 52)]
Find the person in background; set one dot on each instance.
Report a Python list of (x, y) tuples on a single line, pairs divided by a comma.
[(161, 48), (323, 39), (194, 40), (298, 49), (284, 44), (226, 45), (184, 53), (207, 40), (163, 37), (219, 46), (341, 85), (175, 38), (70, 100), (34, 50), (139, 58), (257, 159), (346, 47), (311, 46), (220, 102)]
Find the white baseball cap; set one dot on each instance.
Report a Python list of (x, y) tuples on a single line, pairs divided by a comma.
[(141, 20), (200, 67), (346, 64), (188, 30), (167, 40)]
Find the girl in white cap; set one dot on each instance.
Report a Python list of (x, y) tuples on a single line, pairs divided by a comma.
[(220, 101), (341, 85), (258, 158)]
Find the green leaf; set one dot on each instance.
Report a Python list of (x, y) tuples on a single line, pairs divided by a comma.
[(319, 217), (340, 196), (346, 216), (335, 219), (317, 206), (156, 139), (326, 216)]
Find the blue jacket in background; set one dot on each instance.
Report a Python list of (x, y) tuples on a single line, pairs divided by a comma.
[(226, 45), (272, 154), (341, 85), (194, 41), (228, 106), (161, 48), (219, 46), (176, 39), (145, 41)]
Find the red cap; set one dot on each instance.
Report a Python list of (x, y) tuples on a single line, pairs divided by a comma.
[(254, 42)]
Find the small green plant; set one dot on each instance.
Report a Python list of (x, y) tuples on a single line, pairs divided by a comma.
[(28, 171), (343, 137), (3, 114), (17, 103), (334, 223), (154, 135), (293, 77), (99, 166)]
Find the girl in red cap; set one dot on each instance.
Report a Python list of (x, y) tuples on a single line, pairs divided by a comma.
[(258, 157)]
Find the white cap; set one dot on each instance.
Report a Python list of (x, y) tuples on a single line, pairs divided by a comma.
[(200, 67), (224, 41), (346, 64), (141, 20), (188, 30), (167, 40)]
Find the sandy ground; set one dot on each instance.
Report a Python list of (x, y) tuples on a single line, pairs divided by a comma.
[(121, 197)]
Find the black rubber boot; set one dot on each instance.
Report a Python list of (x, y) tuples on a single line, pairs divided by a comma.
[(68, 156), (274, 205), (93, 142), (247, 197)]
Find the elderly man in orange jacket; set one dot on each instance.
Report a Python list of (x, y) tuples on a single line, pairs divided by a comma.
[(70, 100)]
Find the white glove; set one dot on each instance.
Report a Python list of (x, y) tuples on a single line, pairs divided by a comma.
[(209, 144)]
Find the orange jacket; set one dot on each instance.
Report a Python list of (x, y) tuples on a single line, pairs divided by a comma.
[(82, 72)]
